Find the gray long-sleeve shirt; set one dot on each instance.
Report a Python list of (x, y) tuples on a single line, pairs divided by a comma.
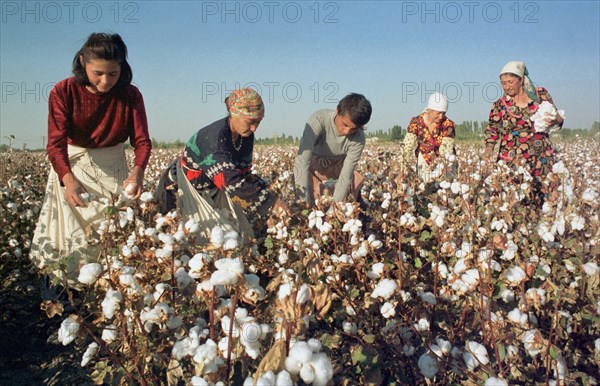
[(322, 139)]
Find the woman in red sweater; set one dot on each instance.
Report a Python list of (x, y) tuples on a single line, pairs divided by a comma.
[(90, 117)]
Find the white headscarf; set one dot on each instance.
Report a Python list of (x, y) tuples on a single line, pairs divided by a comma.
[(519, 69), (437, 102)]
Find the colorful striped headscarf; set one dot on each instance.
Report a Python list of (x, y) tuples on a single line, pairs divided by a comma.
[(245, 103)]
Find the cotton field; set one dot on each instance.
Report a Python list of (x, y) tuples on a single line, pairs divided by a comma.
[(459, 282)]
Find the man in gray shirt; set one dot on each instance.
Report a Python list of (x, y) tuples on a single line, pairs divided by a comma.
[(331, 146)]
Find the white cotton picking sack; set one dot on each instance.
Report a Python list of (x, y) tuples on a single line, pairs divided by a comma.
[(546, 111)]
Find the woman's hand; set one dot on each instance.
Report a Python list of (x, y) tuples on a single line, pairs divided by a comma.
[(133, 186), (74, 191)]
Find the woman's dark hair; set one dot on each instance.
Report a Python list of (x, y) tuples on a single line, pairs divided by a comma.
[(104, 47), (357, 107)]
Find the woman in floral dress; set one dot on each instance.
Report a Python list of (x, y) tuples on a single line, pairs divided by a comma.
[(429, 136), (511, 135)]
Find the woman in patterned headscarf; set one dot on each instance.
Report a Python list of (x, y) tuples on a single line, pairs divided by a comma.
[(214, 170), (429, 136), (511, 135)]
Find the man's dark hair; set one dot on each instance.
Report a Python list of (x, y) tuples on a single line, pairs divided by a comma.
[(357, 107)]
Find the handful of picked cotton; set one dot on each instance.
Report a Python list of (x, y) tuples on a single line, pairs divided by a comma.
[(546, 112)]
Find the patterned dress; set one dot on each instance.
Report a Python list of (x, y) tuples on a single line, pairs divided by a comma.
[(511, 127), (428, 141), (212, 162)]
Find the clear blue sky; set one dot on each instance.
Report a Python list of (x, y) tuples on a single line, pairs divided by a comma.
[(303, 56)]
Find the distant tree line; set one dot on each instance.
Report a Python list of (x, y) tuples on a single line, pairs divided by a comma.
[(466, 131)]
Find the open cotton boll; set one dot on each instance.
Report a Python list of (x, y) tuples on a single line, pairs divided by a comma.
[(196, 264), (475, 355), (68, 331), (89, 273), (322, 369), (428, 365), (126, 277), (217, 236), (301, 351), (515, 275), (546, 111), (183, 278), (384, 289), (376, 271), (199, 381), (388, 310), (422, 325), (185, 347), (493, 381), (206, 352), (110, 303), (109, 334), (89, 353), (590, 268)]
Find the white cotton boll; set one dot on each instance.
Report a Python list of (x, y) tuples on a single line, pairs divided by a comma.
[(577, 223), (217, 236), (265, 379), (147, 197), (283, 256), (196, 264), (109, 334), (184, 348), (518, 317), (283, 379), (307, 373), (560, 368), (314, 344), (597, 343), (293, 365), (126, 276), (507, 295), (408, 350), (428, 297), (422, 325), (110, 303), (89, 273), (198, 381), (89, 353), (350, 311), (387, 310), (323, 369), (376, 271), (590, 196), (192, 226), (68, 331), (223, 278), (301, 351), (471, 277), (284, 290), (533, 342), (160, 289), (384, 289), (183, 278), (444, 345), (206, 352), (303, 294), (460, 266), (590, 268), (515, 275), (428, 365), (493, 381), (231, 244), (349, 327), (475, 355)]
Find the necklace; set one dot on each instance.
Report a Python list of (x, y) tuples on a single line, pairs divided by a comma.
[(239, 146)]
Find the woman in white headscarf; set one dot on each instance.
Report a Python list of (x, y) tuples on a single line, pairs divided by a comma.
[(430, 139), (512, 135)]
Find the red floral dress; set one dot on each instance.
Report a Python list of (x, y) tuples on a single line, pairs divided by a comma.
[(429, 141), (520, 144)]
